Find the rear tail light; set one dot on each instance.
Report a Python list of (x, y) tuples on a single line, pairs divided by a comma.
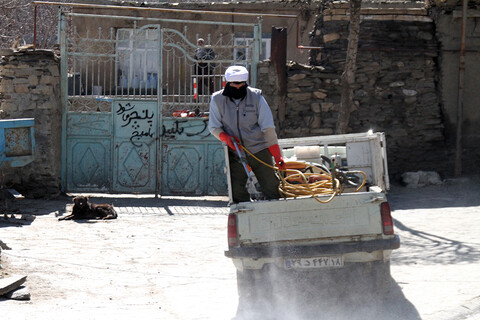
[(387, 221), (232, 230)]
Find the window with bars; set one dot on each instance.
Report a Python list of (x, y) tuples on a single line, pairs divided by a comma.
[(243, 47), (137, 58)]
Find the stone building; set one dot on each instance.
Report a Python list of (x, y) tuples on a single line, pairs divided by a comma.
[(406, 86), (406, 83), (30, 88)]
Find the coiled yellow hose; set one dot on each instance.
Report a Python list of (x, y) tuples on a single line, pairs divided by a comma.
[(325, 186)]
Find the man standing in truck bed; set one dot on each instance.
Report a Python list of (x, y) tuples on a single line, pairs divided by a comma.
[(241, 112)]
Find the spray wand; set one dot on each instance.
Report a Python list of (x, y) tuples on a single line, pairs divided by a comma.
[(252, 184)]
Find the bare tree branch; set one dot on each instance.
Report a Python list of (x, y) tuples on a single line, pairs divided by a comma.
[(17, 23)]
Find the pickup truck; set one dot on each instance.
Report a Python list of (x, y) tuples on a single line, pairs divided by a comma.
[(353, 233)]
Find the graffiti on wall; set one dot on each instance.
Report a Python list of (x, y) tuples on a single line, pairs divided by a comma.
[(140, 122), (137, 121), (188, 128)]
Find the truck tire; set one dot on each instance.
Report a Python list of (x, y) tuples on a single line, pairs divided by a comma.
[(253, 294), (246, 284), (381, 279), (254, 284)]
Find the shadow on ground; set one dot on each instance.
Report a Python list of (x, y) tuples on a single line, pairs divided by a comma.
[(162, 202), (62, 204), (424, 247)]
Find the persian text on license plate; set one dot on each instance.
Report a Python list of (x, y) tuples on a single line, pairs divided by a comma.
[(313, 263)]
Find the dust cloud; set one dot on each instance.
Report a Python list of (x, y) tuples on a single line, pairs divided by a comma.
[(327, 295)]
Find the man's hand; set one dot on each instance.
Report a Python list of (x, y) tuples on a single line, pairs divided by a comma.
[(224, 137), (277, 155)]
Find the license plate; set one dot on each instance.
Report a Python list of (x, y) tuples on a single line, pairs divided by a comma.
[(314, 263)]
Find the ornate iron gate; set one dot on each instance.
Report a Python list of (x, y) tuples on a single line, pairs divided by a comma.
[(136, 105)]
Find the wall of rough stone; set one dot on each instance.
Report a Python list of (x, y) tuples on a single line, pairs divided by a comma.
[(30, 88), (404, 84), (396, 89)]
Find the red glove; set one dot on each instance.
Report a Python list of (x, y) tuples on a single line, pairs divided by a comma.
[(277, 155), (224, 137)]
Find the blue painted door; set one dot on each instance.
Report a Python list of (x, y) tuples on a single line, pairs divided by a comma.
[(123, 88), (217, 180), (135, 137), (89, 152), (183, 169), (192, 159)]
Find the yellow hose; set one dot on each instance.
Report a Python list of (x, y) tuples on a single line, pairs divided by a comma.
[(314, 189)]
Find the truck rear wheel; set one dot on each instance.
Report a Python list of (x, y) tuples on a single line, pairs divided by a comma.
[(371, 278), (254, 284), (381, 277), (245, 283), (253, 294)]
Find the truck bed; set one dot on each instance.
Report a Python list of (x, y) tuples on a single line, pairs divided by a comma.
[(302, 220), (352, 222), (304, 227)]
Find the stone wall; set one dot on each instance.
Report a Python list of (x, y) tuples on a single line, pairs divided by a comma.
[(30, 88), (396, 90)]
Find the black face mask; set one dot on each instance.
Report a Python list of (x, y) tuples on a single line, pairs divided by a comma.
[(234, 93)]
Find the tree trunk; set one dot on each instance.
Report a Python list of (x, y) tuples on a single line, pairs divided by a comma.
[(348, 76)]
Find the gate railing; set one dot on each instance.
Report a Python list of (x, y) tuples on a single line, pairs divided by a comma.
[(151, 62), (143, 63)]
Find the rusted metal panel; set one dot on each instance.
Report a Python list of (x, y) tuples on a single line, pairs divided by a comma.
[(17, 142)]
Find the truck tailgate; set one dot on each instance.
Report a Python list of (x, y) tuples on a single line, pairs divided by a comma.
[(346, 215)]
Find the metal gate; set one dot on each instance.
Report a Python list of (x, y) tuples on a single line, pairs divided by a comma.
[(136, 103)]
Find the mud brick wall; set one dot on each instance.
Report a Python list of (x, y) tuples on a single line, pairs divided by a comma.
[(396, 91), (30, 88)]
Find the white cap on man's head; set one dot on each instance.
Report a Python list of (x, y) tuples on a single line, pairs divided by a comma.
[(236, 74)]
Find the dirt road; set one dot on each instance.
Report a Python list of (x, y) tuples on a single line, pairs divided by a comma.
[(163, 259), (155, 262)]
